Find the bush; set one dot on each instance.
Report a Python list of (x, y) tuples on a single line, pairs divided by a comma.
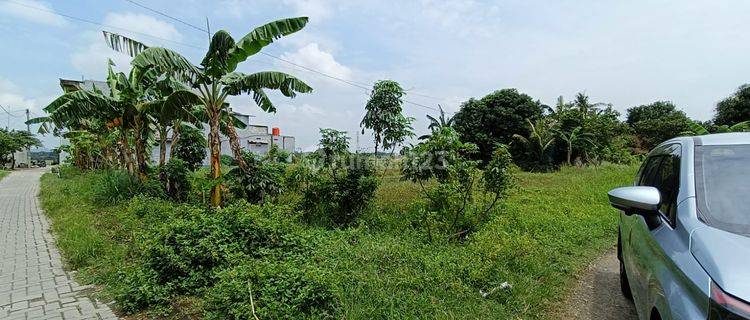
[(339, 198), (261, 181), (227, 160), (191, 147), (175, 176), (115, 185), (137, 288), (278, 290), (187, 251)]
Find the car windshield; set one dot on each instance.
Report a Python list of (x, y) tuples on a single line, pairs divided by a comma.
[(723, 186)]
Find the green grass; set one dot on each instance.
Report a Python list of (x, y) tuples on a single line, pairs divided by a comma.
[(549, 228), (3, 173)]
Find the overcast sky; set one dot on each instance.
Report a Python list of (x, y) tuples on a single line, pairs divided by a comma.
[(627, 53)]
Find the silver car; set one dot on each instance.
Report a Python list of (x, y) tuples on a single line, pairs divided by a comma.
[(684, 233)]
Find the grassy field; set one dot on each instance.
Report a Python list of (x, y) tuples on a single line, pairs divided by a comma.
[(548, 229)]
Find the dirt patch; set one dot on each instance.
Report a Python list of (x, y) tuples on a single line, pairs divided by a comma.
[(597, 294)]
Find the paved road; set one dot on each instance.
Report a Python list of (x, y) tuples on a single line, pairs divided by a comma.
[(597, 294), (33, 284)]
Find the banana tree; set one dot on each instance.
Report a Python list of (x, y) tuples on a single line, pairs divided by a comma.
[(540, 138), (696, 129), (574, 138), (215, 79)]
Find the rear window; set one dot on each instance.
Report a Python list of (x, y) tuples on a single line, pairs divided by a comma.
[(723, 186)]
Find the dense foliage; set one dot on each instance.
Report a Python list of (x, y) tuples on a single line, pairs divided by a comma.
[(657, 122), (734, 109), (191, 147), (495, 118)]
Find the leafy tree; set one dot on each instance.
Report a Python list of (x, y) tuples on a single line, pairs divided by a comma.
[(190, 147), (216, 78), (397, 133), (13, 141), (384, 116), (540, 140), (495, 118), (657, 122), (734, 109), (333, 144)]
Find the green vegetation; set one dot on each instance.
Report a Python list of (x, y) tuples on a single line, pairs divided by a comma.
[(12, 141), (3, 173), (183, 259)]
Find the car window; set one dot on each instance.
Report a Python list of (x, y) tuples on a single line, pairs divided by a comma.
[(667, 180), (649, 171), (723, 186)]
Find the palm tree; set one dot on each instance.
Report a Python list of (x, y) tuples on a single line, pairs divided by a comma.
[(574, 138), (215, 79), (540, 138)]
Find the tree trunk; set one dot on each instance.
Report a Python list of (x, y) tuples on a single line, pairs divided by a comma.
[(215, 145), (127, 153), (570, 152), (175, 138), (234, 142), (140, 149), (162, 144)]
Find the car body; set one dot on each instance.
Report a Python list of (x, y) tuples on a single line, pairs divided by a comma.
[(678, 258)]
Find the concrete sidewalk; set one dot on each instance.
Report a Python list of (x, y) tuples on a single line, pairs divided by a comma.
[(33, 284)]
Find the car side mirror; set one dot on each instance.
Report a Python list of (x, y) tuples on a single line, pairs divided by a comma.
[(631, 199)]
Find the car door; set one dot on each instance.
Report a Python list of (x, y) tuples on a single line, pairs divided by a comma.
[(649, 237)]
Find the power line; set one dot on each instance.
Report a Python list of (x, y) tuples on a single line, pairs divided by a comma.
[(9, 112), (348, 82), (101, 24), (168, 16)]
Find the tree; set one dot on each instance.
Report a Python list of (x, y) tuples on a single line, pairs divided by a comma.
[(13, 141), (215, 79), (383, 115), (698, 129), (495, 118), (191, 147), (574, 138), (333, 144), (540, 140), (657, 122), (734, 109), (437, 123), (397, 133)]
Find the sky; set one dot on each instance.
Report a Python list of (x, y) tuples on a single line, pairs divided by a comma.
[(627, 53)]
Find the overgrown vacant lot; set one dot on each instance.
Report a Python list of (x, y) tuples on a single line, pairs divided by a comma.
[(548, 228)]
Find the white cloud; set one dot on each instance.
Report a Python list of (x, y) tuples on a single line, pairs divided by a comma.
[(317, 10), (311, 56), (11, 97), (91, 61), (34, 11)]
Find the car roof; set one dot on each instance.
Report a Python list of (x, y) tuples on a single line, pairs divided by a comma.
[(724, 138)]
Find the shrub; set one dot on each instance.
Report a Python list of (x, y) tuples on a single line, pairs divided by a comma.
[(116, 185), (227, 160), (174, 175), (278, 290), (339, 198), (137, 288), (261, 181), (187, 251), (190, 147)]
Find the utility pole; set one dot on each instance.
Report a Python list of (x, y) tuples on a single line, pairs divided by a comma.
[(28, 126)]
